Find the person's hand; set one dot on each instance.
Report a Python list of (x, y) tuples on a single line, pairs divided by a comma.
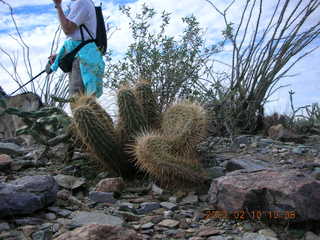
[(57, 2), (52, 58)]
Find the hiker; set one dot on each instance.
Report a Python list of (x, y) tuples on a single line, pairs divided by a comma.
[(88, 65)]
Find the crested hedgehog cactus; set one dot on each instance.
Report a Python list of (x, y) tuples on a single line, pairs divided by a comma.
[(148, 103), (131, 119), (168, 156)]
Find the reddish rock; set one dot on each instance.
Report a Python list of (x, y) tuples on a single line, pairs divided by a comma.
[(110, 185), (100, 232), (5, 161), (289, 193), (279, 132)]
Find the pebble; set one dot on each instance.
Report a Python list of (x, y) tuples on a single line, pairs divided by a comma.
[(102, 197), (4, 226), (169, 223), (311, 236), (50, 216), (147, 225), (147, 207), (169, 205)]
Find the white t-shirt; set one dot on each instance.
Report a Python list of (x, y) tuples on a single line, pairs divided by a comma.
[(83, 12)]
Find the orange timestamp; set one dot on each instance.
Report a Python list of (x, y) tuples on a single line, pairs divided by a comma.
[(253, 214)]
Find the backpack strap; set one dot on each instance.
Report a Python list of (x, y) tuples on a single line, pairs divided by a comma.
[(81, 31)]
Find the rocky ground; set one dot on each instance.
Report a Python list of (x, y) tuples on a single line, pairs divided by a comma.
[(42, 197)]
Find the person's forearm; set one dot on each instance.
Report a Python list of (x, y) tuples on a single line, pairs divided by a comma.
[(65, 23)]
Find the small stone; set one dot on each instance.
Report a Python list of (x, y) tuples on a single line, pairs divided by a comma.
[(156, 189), (267, 232), (219, 238), (50, 216), (147, 207), (190, 199), (316, 173), (147, 225), (110, 185), (4, 226), (11, 149), (28, 221), (42, 235), (298, 150), (169, 205), (204, 198), (169, 223), (5, 161), (173, 199), (311, 236), (196, 238), (129, 217), (167, 214), (126, 206), (102, 197), (59, 211)]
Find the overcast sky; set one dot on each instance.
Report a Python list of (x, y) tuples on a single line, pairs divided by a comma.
[(38, 22)]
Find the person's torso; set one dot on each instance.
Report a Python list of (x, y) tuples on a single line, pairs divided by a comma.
[(83, 12)]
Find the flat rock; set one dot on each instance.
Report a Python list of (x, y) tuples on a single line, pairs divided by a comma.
[(169, 205), (256, 236), (247, 163), (27, 195), (69, 182), (147, 207), (83, 218), (268, 190), (11, 149), (100, 232), (110, 185), (102, 197), (169, 223)]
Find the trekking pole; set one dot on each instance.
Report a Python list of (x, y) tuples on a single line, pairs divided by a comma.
[(27, 82)]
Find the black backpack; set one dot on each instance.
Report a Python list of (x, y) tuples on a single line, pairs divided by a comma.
[(101, 41)]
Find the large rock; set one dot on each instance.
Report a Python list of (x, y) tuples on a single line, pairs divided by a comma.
[(27, 195), (100, 232), (268, 190)]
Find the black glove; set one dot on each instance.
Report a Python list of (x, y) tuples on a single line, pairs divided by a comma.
[(48, 68)]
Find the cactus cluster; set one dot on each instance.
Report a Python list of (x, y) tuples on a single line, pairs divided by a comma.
[(160, 145)]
